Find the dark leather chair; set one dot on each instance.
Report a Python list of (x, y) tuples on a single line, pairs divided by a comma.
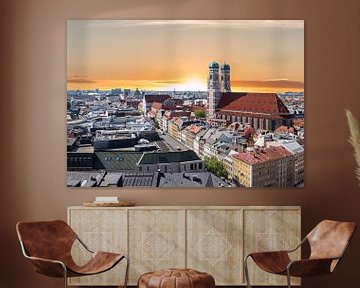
[(328, 242), (48, 245)]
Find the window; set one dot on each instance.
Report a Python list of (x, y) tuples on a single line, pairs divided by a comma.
[(200, 165), (191, 166)]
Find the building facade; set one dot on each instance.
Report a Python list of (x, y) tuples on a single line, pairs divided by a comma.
[(267, 167)]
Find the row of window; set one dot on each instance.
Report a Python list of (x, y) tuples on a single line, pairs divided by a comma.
[(79, 159)]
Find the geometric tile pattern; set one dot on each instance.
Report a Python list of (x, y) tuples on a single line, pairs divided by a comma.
[(211, 239), (156, 240), (155, 246), (214, 243), (269, 240), (213, 246), (101, 230), (270, 230)]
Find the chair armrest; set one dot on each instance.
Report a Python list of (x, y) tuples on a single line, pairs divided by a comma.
[(49, 267), (309, 267), (271, 261)]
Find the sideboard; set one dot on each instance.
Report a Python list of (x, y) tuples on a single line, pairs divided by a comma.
[(212, 239)]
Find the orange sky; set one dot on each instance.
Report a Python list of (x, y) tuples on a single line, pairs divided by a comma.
[(167, 55)]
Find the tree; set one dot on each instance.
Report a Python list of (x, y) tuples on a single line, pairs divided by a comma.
[(200, 114), (216, 167), (157, 125)]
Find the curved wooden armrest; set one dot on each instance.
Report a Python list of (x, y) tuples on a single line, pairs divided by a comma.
[(308, 267)]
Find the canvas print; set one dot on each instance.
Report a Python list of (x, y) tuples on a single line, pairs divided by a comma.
[(185, 103)]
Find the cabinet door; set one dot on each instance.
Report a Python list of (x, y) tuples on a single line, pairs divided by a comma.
[(156, 240), (101, 230), (214, 244), (270, 230)]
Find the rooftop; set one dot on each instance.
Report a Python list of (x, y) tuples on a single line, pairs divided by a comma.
[(139, 179), (262, 103), (263, 155), (160, 98), (284, 129), (117, 160), (168, 157), (201, 179)]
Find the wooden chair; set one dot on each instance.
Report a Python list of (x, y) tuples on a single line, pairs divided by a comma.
[(48, 245), (328, 242)]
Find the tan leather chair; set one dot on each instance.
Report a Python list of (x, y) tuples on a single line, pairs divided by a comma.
[(48, 245), (328, 242)]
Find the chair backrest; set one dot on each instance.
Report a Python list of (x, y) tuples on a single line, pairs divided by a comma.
[(46, 239), (329, 239)]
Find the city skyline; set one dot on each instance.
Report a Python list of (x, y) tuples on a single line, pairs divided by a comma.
[(265, 56)]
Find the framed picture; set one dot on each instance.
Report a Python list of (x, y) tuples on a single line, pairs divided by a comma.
[(185, 103)]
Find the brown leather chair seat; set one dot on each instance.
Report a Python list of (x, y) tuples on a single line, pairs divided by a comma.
[(176, 278)]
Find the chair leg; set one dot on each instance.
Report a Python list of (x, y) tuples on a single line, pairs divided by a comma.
[(288, 278), (246, 270), (126, 271), (65, 276)]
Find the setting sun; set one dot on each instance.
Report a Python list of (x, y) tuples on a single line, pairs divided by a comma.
[(190, 85), (146, 54)]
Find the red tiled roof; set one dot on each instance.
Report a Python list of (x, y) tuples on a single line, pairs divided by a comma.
[(156, 105), (249, 132), (195, 129), (172, 114), (298, 122), (178, 121), (261, 103), (284, 129), (150, 98), (263, 155)]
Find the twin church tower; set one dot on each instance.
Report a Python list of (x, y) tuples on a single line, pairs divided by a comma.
[(217, 85)]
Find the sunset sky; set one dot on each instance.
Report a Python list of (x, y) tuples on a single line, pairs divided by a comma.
[(264, 55)]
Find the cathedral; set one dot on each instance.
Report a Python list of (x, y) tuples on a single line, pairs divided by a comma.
[(264, 111)]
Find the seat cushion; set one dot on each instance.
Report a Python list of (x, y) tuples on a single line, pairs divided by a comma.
[(98, 263), (176, 278), (272, 262)]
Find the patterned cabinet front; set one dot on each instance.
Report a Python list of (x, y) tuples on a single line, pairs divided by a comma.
[(101, 230), (156, 240), (208, 239), (270, 230), (214, 244)]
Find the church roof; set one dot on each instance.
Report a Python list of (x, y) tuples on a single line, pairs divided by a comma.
[(225, 66), (213, 64), (256, 103)]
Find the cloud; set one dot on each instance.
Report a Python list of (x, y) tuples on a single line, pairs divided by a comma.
[(168, 81), (274, 83), (78, 80)]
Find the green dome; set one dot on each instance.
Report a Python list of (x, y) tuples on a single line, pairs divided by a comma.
[(225, 66), (213, 64)]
